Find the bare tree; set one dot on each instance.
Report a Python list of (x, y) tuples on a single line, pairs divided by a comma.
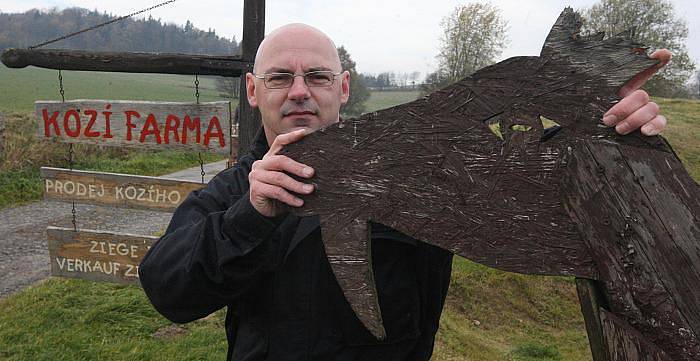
[(655, 24), (473, 37), (228, 87), (358, 90)]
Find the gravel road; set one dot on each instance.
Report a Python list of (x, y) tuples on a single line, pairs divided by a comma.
[(24, 255)]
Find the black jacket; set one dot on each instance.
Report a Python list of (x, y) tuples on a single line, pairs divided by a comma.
[(282, 297)]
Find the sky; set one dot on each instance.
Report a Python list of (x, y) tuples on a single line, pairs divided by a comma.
[(380, 35)]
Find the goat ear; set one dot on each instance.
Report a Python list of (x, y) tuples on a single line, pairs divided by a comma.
[(348, 247), (614, 60), (565, 30)]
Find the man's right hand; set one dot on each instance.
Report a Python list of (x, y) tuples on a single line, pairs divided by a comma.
[(270, 186)]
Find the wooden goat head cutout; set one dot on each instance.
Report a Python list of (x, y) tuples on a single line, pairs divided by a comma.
[(583, 202)]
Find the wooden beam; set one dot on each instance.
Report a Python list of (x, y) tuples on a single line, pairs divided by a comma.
[(625, 343), (116, 190), (590, 295), (97, 255), (127, 62), (137, 124), (253, 34)]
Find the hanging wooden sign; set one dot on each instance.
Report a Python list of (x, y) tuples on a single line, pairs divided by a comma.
[(97, 255), (117, 190), (142, 124), (583, 201)]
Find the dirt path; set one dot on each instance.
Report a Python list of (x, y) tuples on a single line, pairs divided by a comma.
[(24, 255)]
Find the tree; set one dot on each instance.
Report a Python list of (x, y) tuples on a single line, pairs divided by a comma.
[(694, 86), (654, 24), (358, 90), (473, 37), (228, 87)]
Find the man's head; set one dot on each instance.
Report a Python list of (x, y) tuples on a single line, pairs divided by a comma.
[(297, 49)]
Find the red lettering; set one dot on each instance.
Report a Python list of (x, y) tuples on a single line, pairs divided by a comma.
[(48, 121), (91, 123), (108, 129), (214, 123), (191, 125), (72, 113), (129, 124), (171, 124), (150, 127)]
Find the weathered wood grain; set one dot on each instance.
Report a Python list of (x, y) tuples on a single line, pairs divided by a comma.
[(97, 255), (253, 34), (139, 124), (643, 233), (625, 343), (591, 299), (116, 190), (127, 62), (585, 202)]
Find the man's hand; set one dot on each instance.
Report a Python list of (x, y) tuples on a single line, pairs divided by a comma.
[(635, 110), (270, 186)]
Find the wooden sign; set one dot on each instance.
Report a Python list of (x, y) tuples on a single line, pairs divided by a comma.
[(578, 200), (117, 190), (97, 255), (154, 125)]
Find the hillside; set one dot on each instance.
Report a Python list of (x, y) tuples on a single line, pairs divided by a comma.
[(21, 30)]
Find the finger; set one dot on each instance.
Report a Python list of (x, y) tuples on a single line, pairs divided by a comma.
[(663, 55), (284, 181), (284, 139), (642, 116), (274, 192), (625, 107), (283, 163), (655, 126)]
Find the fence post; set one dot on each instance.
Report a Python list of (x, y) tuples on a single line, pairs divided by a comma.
[(591, 298), (253, 33)]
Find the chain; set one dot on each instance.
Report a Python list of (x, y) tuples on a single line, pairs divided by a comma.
[(70, 147), (101, 25), (201, 166), (196, 87), (70, 164), (196, 95), (60, 86)]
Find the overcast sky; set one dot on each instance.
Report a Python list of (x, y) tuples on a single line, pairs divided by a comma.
[(381, 35)]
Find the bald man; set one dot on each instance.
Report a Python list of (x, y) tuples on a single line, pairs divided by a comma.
[(233, 244)]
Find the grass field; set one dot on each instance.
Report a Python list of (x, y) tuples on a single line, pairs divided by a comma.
[(490, 315), (21, 87), (381, 100)]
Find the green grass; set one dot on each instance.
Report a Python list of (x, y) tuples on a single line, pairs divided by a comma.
[(79, 320), (495, 315), (21, 87), (386, 99), (683, 131)]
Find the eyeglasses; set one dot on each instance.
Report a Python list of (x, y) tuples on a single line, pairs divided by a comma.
[(285, 80)]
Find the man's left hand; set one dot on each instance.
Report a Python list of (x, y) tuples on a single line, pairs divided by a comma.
[(635, 110)]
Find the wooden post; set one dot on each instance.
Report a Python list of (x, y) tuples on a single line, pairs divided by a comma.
[(253, 34), (590, 296)]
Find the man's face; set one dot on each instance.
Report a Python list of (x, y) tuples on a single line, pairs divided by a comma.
[(298, 51)]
